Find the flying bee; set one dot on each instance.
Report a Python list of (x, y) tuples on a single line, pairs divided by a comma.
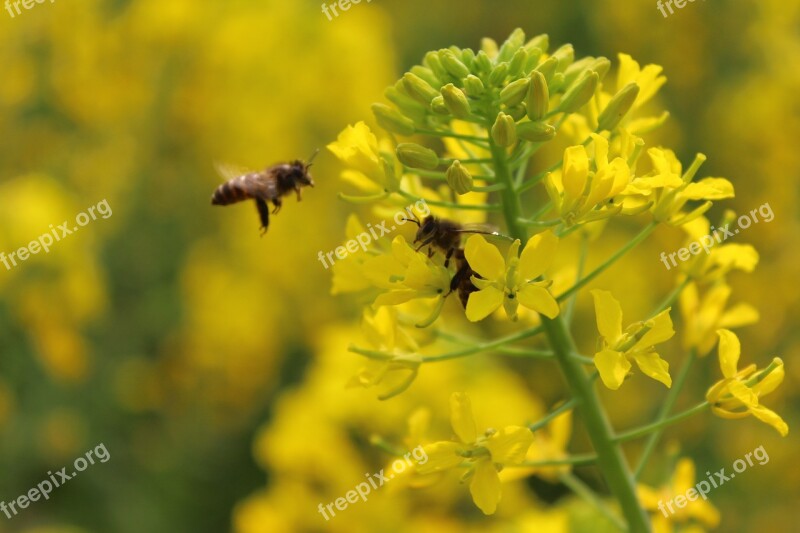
[(445, 235), (268, 185)]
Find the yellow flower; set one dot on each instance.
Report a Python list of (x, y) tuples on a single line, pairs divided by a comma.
[(484, 455), (721, 257), (738, 394), (550, 445), (357, 147), (617, 348), (703, 317), (666, 191), (511, 282), (660, 501), (650, 80), (396, 371), (581, 194)]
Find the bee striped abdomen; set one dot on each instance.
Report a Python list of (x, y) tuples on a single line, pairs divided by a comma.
[(232, 191)]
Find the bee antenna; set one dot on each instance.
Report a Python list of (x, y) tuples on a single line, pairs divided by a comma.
[(414, 220), (311, 159)]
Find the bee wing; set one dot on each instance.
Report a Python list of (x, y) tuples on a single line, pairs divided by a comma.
[(228, 172)]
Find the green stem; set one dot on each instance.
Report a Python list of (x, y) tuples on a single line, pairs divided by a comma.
[(647, 230), (655, 426), (453, 135), (566, 406), (451, 205), (577, 460), (581, 489), (609, 455), (570, 308), (663, 413)]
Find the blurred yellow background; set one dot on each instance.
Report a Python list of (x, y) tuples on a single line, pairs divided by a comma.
[(212, 363)]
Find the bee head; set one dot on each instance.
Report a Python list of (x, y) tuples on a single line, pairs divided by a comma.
[(300, 174), (427, 229)]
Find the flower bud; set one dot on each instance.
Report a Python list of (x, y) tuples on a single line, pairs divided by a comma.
[(468, 57), (459, 179), (426, 74), (438, 106), (453, 64), (498, 74), (580, 93), (542, 42), (511, 45), (482, 63), (601, 65), (414, 155), (556, 83), (535, 131), (407, 105), (392, 120), (473, 85), (538, 101), (418, 88), (534, 54), (504, 131), (548, 68), (456, 101), (517, 62), (515, 92), (433, 62), (565, 56), (618, 107)]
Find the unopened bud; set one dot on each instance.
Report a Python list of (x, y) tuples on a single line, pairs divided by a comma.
[(426, 74), (456, 101), (504, 131), (392, 120), (601, 65), (459, 179), (498, 74), (514, 93), (565, 56), (538, 96), (438, 106), (418, 88), (517, 62), (618, 107), (453, 64), (548, 67), (414, 155), (483, 64), (542, 42), (511, 45), (580, 93), (535, 131), (473, 85), (517, 112)]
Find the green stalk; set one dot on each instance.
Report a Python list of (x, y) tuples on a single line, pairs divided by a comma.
[(610, 459), (663, 413)]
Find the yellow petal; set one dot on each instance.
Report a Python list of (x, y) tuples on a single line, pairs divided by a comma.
[(613, 367), (770, 417), (485, 487), (537, 255), (729, 351), (539, 299), (660, 331), (576, 172), (461, 417), (441, 456), (709, 189), (483, 303), (609, 315), (509, 445), (771, 382), (739, 315), (653, 366), (484, 258), (742, 393)]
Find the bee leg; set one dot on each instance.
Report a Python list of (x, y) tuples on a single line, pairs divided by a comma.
[(448, 256), (263, 213), (277, 203), (424, 244), (299, 196)]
